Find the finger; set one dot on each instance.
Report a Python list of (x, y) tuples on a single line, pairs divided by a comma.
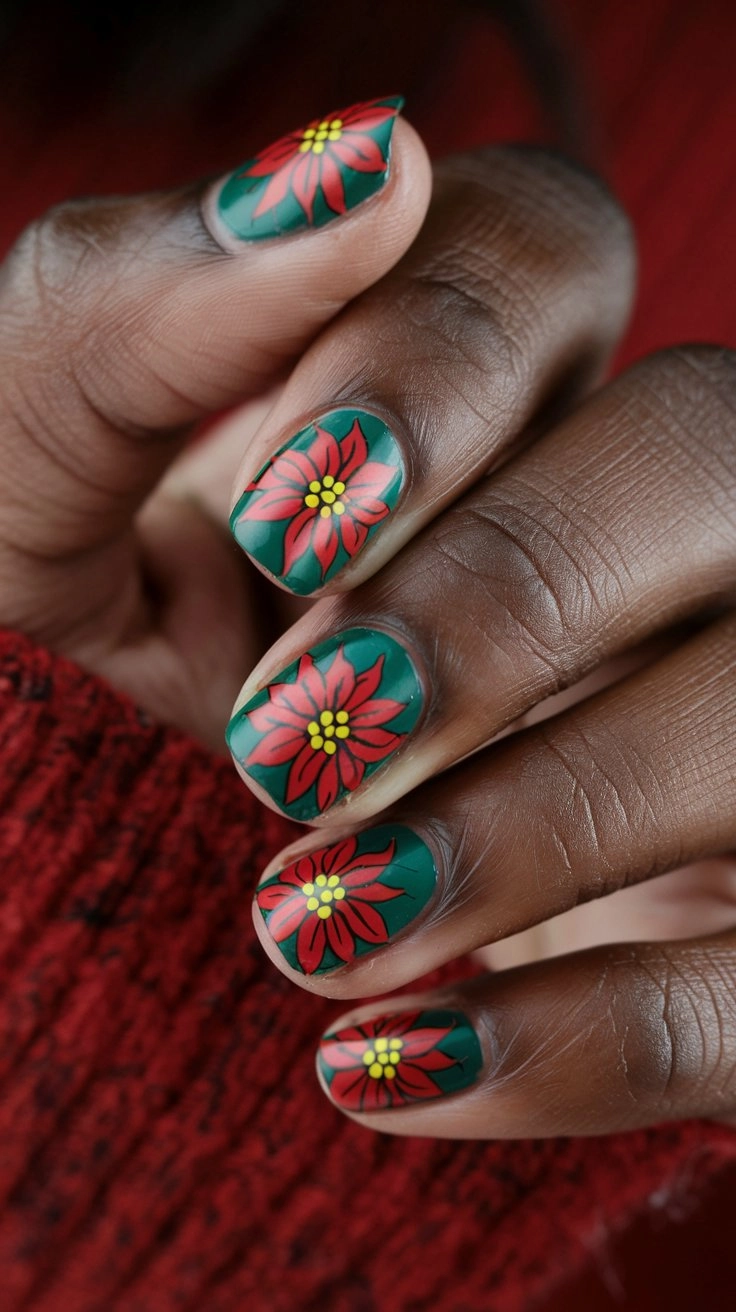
[(595, 1043), (507, 305), (123, 320), (631, 783), (610, 528)]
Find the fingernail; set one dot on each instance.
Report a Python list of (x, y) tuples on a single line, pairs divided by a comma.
[(314, 506), (312, 175), (395, 1060), (328, 721), (346, 900)]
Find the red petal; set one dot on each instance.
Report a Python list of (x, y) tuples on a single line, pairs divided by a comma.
[(298, 537), (414, 1082), (420, 1041), (328, 785), (275, 715), (325, 541), (338, 935), (347, 1087), (374, 713), (353, 452), (339, 680), (303, 773), (367, 866), (346, 1056), (366, 115), (336, 858), (364, 921), (351, 771), (367, 510), (372, 477), (270, 896), (374, 744), (290, 470), (359, 152), (376, 1094), (375, 893), (304, 180), (310, 944), (277, 189), (332, 185), (325, 452), (272, 506), (287, 918), (365, 685), (275, 748), (353, 535), (274, 156)]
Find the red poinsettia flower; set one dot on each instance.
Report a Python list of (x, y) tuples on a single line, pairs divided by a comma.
[(331, 492), (385, 1062), (328, 897), (315, 156), (328, 724)]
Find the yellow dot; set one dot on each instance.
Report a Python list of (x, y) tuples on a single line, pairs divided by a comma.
[(315, 485), (383, 1058), (330, 747), (311, 500), (333, 881), (324, 913), (326, 511), (326, 896), (328, 480), (396, 1044), (312, 903), (321, 880), (381, 1045), (330, 731), (318, 147), (334, 134), (390, 1073), (316, 742), (328, 497), (308, 132), (339, 508), (336, 123), (369, 1057), (338, 487), (376, 1071), (322, 136), (395, 1058), (307, 889), (312, 727), (324, 125), (326, 717), (339, 894), (342, 717), (342, 731), (305, 146)]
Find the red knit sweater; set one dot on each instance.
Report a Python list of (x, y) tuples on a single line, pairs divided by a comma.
[(163, 1143)]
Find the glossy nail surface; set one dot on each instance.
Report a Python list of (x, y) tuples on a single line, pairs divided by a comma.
[(328, 721), (343, 901), (313, 175), (314, 506), (395, 1060)]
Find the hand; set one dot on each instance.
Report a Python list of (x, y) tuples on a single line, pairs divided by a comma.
[(123, 323), (527, 535)]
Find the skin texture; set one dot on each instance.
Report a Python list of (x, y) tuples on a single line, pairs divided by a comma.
[(560, 568)]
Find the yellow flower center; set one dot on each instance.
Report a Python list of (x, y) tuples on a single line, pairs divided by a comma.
[(330, 726), (325, 493), (314, 138), (383, 1058), (322, 894)]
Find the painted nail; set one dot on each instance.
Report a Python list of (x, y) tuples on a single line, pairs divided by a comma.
[(328, 721), (314, 506), (312, 175), (395, 1060), (346, 900)]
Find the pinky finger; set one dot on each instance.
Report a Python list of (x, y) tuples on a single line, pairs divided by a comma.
[(602, 1041)]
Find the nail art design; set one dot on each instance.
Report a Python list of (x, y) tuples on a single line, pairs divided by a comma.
[(314, 174), (329, 721), (343, 901), (313, 507), (395, 1060)]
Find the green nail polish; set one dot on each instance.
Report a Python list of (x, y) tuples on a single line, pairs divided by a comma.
[(343, 901), (312, 175), (314, 506), (329, 721), (394, 1060)]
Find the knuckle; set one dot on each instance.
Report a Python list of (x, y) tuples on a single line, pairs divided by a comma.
[(690, 392)]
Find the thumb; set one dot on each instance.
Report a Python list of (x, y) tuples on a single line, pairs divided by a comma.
[(124, 320)]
